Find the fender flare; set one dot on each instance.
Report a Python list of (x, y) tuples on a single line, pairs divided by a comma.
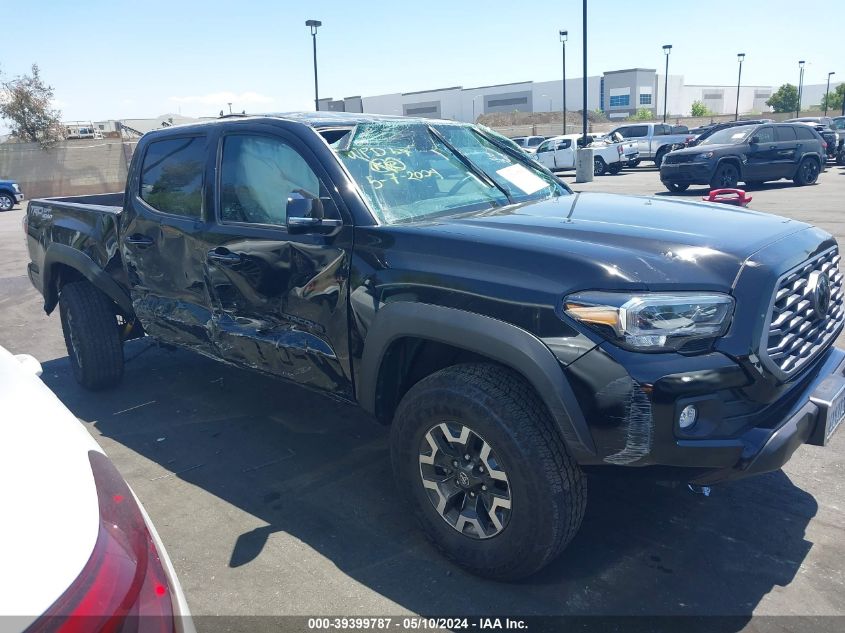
[(88, 268), (503, 342)]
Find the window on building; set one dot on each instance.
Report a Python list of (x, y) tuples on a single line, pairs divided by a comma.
[(620, 101), (645, 99), (172, 175), (512, 101)]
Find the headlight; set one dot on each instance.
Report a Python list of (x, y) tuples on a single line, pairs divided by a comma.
[(16, 187), (704, 156), (652, 322)]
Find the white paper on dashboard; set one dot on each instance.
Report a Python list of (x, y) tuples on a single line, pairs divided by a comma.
[(523, 178)]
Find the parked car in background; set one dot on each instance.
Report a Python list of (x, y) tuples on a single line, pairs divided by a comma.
[(81, 553), (722, 126), (10, 194), (610, 153), (839, 127), (825, 126), (528, 143), (753, 154), (654, 140)]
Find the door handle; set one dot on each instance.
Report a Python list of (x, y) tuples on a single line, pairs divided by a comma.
[(224, 256), (141, 241)]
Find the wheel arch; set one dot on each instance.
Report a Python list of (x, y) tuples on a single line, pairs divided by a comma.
[(468, 336), (734, 160), (63, 264)]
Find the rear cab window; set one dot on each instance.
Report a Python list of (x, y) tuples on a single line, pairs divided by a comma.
[(172, 176)]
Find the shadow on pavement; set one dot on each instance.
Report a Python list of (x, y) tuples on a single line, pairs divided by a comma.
[(319, 470)]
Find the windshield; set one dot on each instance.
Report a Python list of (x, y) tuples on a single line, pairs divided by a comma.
[(839, 124), (411, 171), (729, 136)]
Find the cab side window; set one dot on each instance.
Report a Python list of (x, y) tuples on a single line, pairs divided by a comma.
[(765, 135), (172, 176), (785, 133), (564, 144), (259, 174)]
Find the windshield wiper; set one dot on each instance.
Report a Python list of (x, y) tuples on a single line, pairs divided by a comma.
[(479, 173)]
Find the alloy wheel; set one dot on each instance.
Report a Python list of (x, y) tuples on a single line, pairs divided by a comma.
[(5, 203), (464, 480)]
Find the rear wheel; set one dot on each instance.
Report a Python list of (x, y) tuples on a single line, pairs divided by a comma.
[(725, 177), (808, 172), (599, 166), (6, 202), (476, 453), (676, 187), (92, 336), (615, 168), (658, 158)]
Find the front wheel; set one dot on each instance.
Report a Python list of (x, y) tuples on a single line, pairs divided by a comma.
[(808, 172), (676, 187), (658, 159), (599, 166), (477, 455), (725, 177), (91, 335), (6, 202)]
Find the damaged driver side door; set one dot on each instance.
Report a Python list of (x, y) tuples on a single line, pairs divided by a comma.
[(279, 295)]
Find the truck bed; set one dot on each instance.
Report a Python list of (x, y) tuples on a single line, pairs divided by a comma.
[(80, 230)]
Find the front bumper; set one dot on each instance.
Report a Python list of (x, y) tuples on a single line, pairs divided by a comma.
[(686, 173), (19, 197), (767, 450), (632, 402)]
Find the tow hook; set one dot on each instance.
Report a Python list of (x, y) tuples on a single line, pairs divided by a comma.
[(699, 490)]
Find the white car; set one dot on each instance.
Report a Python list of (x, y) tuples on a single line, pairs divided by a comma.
[(528, 143), (79, 551), (610, 153)]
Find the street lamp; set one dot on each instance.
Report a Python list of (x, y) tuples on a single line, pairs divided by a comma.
[(314, 25), (473, 106), (800, 86), (740, 57), (827, 92), (564, 35), (667, 48)]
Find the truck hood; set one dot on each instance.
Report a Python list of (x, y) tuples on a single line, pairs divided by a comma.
[(595, 240)]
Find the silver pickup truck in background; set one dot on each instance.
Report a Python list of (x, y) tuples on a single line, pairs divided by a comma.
[(654, 140)]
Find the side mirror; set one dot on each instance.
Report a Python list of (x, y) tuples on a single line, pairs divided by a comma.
[(754, 140), (304, 215)]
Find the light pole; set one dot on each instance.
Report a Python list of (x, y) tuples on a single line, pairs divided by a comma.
[(584, 78), (473, 106), (740, 57), (314, 25), (827, 92), (584, 164), (800, 86), (667, 48), (564, 35), (229, 103)]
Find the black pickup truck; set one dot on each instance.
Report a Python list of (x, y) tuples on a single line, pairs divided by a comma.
[(514, 335)]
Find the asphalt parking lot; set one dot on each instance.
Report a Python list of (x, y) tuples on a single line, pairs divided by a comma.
[(272, 500)]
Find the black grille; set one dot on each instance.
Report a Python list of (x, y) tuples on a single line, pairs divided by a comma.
[(796, 333), (671, 159)]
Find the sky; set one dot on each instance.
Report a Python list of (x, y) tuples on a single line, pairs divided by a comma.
[(112, 59)]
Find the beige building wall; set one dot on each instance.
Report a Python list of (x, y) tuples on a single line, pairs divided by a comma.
[(68, 168)]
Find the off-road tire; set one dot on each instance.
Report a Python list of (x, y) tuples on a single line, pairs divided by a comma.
[(91, 335), (807, 172), (547, 488), (599, 166)]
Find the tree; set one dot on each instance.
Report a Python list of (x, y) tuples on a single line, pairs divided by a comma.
[(785, 99), (699, 109), (834, 99), (26, 103), (642, 114)]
